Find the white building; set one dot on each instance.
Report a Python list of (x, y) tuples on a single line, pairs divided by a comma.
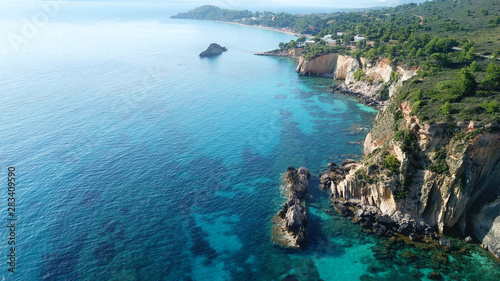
[(358, 38), (328, 39)]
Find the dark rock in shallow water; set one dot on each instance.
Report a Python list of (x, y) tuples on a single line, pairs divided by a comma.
[(365, 223), (444, 242), (432, 234), (384, 219), (379, 229), (325, 181), (413, 236), (290, 278), (213, 50), (360, 97), (434, 275), (342, 209), (407, 227), (408, 255), (301, 239), (347, 161)]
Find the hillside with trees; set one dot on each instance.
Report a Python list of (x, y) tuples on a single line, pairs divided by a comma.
[(455, 44)]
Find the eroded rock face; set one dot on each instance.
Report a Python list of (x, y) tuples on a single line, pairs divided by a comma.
[(346, 65), (465, 196), (325, 64), (213, 50), (462, 197), (296, 218), (378, 75), (487, 226), (289, 224), (298, 181), (377, 78)]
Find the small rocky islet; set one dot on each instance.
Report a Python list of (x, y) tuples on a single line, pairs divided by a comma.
[(213, 49)]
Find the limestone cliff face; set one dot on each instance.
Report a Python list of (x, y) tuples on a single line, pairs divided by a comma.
[(346, 65), (377, 74), (465, 194), (325, 64)]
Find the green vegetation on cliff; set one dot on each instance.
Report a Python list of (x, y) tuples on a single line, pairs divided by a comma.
[(301, 24)]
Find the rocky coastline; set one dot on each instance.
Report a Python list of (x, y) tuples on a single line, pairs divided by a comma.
[(411, 199), (287, 53), (289, 224), (370, 217), (373, 102), (377, 86)]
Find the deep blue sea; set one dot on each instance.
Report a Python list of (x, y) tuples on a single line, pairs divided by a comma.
[(138, 160)]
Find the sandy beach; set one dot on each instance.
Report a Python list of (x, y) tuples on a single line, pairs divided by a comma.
[(282, 30)]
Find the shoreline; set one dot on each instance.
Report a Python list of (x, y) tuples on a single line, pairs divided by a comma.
[(282, 30)]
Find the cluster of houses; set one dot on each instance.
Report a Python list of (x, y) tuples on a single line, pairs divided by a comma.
[(328, 39)]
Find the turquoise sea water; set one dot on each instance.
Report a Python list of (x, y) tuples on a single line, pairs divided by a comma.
[(138, 160)]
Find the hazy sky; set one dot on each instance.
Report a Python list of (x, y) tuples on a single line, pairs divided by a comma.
[(242, 4), (309, 3)]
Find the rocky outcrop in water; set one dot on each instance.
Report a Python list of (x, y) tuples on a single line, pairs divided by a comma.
[(372, 101), (289, 224), (213, 50), (293, 53)]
